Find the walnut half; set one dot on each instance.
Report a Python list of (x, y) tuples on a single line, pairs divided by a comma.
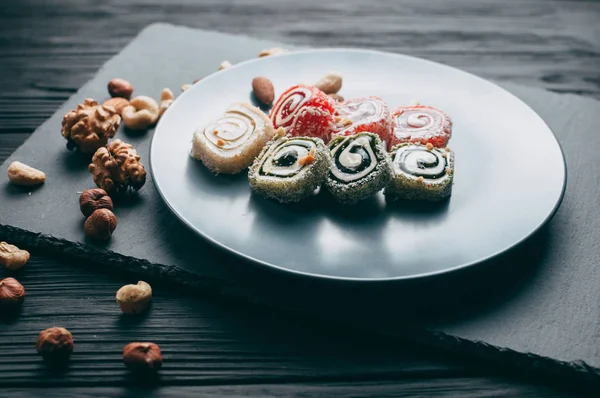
[(89, 126), (116, 168)]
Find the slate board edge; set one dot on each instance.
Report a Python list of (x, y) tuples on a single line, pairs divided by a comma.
[(576, 370)]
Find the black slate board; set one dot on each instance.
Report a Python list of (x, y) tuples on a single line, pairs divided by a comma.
[(536, 306)]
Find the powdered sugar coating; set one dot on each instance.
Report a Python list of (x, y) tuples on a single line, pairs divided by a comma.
[(420, 124), (304, 111), (364, 114)]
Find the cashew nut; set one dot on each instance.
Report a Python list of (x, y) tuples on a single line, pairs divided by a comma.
[(166, 99), (141, 113)]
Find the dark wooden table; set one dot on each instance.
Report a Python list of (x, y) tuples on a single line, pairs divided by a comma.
[(48, 48)]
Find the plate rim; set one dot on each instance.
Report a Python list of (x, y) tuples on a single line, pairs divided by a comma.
[(425, 275)]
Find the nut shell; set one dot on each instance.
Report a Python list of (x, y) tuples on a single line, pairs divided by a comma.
[(94, 199), (24, 175), (55, 344), (100, 224), (142, 357), (12, 294), (120, 88), (134, 299), (89, 126), (11, 257), (117, 168)]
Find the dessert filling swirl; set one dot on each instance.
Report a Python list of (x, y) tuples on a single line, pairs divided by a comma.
[(419, 120), (417, 161), (353, 158), (288, 107), (233, 129), (363, 110), (284, 159)]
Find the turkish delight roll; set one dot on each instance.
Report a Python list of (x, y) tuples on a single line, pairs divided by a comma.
[(231, 143), (369, 114), (421, 172), (304, 111), (360, 167), (290, 169), (420, 124)]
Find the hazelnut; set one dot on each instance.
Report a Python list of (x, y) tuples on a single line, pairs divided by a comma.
[(100, 224), (55, 344), (94, 199), (120, 88), (142, 357), (134, 299), (12, 293), (11, 257)]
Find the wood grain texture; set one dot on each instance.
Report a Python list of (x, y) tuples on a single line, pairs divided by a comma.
[(239, 350), (451, 387), (46, 55), (163, 251)]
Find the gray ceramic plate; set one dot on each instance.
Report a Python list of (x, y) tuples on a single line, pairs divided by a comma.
[(509, 175)]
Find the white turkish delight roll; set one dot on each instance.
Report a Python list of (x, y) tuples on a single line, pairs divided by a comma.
[(231, 143)]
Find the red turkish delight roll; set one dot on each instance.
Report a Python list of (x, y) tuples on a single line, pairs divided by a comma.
[(366, 114), (420, 124), (304, 111)]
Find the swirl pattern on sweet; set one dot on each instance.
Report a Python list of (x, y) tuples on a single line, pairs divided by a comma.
[(421, 124), (287, 158), (367, 114), (304, 111), (361, 110), (236, 127), (353, 158), (419, 161), (288, 105)]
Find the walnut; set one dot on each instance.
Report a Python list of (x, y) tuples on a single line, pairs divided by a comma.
[(89, 126), (116, 168)]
